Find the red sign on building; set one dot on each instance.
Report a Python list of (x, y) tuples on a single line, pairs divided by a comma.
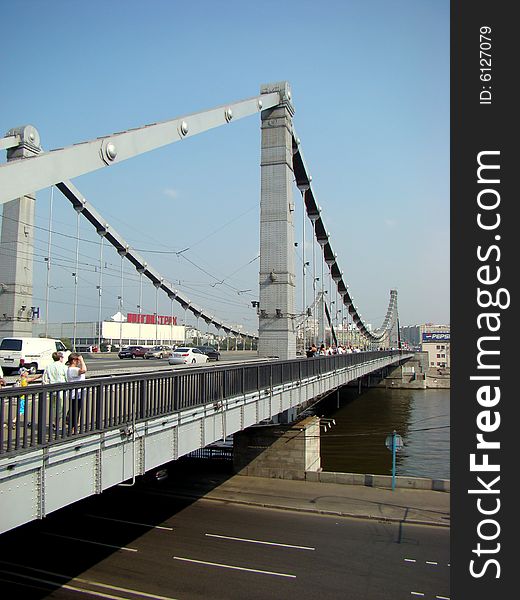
[(150, 319)]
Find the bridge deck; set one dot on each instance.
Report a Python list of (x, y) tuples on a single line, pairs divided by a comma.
[(130, 424)]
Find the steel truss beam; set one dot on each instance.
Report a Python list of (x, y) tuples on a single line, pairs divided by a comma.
[(28, 175)]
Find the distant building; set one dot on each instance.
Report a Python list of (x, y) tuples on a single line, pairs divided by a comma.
[(121, 330), (435, 339), (411, 335)]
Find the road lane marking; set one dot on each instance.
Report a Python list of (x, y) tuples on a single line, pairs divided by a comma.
[(130, 522), (442, 597), (69, 587), (80, 580), (237, 539), (89, 541), (431, 562), (417, 593), (214, 564), (410, 560)]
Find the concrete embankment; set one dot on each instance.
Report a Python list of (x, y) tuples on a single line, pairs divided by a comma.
[(415, 373), (402, 505), (379, 481)]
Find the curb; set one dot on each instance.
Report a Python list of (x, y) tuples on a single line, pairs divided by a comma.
[(317, 511)]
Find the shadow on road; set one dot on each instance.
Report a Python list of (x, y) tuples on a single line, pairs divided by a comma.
[(44, 555)]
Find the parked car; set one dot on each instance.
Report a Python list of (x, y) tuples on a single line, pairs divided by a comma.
[(210, 352), (159, 352), (32, 353), (132, 352), (182, 356)]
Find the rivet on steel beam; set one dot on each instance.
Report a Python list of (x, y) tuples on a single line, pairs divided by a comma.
[(111, 151), (228, 113)]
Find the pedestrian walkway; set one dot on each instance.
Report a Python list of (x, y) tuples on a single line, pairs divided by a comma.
[(402, 505)]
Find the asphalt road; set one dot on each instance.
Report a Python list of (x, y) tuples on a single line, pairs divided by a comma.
[(144, 542), (109, 363)]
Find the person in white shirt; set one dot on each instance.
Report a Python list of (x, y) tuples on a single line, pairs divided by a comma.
[(75, 372), (56, 372)]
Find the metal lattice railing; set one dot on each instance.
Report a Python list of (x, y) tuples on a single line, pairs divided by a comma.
[(41, 415)]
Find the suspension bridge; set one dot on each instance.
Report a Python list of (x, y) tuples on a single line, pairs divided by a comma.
[(131, 424)]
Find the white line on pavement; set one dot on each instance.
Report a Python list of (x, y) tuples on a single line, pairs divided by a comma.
[(130, 522), (89, 541), (66, 587), (213, 564), (237, 539), (417, 593), (410, 560), (431, 562), (80, 580)]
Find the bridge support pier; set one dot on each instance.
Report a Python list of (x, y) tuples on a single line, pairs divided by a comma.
[(17, 241), (276, 331), (278, 451)]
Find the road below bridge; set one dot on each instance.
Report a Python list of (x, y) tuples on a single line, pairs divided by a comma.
[(151, 542)]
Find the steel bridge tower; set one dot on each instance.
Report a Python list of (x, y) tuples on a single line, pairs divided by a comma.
[(17, 243), (276, 330)]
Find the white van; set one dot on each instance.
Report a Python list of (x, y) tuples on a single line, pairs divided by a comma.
[(32, 353)]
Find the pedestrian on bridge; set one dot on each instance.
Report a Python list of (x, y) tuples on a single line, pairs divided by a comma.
[(312, 351), (56, 372), (23, 381), (75, 372)]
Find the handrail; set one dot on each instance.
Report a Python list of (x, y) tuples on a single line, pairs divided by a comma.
[(42, 415)]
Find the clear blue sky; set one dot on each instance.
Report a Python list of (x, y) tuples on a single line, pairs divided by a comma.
[(370, 84)]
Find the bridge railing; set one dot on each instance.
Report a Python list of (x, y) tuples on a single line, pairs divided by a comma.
[(41, 415)]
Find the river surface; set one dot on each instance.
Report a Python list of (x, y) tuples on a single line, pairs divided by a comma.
[(356, 443)]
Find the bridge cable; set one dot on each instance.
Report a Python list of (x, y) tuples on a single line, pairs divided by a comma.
[(48, 264)]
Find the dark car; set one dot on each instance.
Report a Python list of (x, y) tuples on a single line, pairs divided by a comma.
[(132, 352), (210, 352)]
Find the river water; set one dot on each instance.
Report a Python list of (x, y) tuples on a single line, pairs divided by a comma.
[(356, 443)]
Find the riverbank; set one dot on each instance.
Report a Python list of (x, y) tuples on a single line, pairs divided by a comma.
[(402, 505)]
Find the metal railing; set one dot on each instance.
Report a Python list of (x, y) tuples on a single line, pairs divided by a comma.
[(40, 415)]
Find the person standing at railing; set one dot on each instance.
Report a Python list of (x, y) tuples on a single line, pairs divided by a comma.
[(75, 372), (56, 372), (23, 381), (312, 351)]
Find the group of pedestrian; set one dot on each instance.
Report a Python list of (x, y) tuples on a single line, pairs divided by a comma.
[(73, 370), (59, 371), (326, 350)]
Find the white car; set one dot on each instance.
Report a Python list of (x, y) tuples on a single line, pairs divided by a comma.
[(184, 356)]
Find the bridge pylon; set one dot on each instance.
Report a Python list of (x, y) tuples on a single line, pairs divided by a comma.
[(17, 242), (276, 328)]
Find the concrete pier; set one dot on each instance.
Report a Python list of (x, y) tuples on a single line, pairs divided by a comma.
[(278, 451)]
